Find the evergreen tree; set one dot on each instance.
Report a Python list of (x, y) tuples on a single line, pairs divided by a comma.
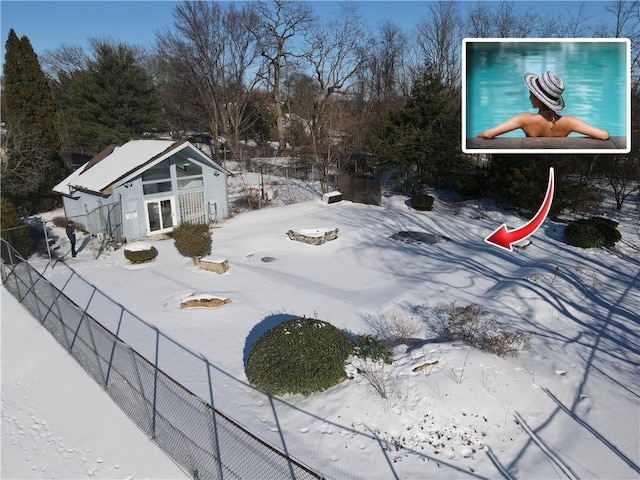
[(31, 163), (422, 139), (27, 93), (14, 232), (112, 100), (522, 180)]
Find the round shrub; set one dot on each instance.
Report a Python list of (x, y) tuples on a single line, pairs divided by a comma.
[(302, 355), (584, 234), (421, 201), (608, 228), (592, 233), (193, 240), (140, 252)]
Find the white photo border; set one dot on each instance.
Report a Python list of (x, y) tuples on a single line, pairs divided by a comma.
[(627, 148)]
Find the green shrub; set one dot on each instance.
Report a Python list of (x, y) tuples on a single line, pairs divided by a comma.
[(193, 240), (584, 234), (421, 201), (14, 231), (594, 232), (142, 255), (368, 346), (470, 325), (609, 228), (301, 355)]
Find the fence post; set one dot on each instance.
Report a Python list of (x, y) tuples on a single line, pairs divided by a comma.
[(11, 251), (55, 298), (46, 239), (113, 348), (155, 386), (216, 440), (37, 299), (139, 378), (95, 350)]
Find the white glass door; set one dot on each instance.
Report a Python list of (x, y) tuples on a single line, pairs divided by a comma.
[(160, 215)]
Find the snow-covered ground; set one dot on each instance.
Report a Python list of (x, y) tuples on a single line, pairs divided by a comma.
[(570, 406), (56, 421)]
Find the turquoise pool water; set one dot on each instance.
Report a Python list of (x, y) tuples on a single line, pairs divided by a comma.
[(594, 75)]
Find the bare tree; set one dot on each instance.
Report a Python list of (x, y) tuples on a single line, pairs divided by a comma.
[(66, 58), (387, 59), (438, 40), (383, 81), (240, 81), (572, 24), (280, 21), (215, 50), (623, 175), (626, 24), (479, 22), (577, 20), (179, 96), (510, 24), (333, 55), (502, 21)]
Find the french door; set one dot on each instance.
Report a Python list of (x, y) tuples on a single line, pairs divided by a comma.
[(160, 215)]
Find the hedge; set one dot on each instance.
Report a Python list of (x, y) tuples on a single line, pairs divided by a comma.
[(299, 356)]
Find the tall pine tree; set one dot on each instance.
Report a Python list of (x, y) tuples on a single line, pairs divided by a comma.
[(32, 164), (422, 139), (111, 100)]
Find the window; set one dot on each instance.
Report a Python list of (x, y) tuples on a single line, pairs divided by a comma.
[(189, 174), (157, 179), (159, 187)]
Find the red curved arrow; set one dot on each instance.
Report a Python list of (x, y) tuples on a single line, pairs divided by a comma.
[(504, 238)]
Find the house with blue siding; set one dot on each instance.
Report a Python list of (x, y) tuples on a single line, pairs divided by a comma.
[(145, 187)]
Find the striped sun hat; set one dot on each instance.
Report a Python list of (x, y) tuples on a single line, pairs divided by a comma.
[(548, 88)]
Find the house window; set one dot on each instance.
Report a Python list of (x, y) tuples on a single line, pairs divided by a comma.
[(157, 179), (156, 187), (189, 175)]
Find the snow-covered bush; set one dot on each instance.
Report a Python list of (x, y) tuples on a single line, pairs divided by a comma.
[(193, 240), (140, 252), (470, 324), (302, 355), (594, 232)]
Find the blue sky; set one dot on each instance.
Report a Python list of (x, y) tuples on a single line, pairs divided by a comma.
[(49, 24)]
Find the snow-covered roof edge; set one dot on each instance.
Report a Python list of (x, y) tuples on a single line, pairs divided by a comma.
[(122, 163), (180, 145)]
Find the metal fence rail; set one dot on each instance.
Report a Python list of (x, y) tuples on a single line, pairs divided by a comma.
[(203, 441)]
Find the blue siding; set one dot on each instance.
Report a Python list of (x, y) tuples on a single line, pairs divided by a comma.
[(130, 194)]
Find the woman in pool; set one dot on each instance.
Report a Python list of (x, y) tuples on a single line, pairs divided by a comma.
[(546, 95)]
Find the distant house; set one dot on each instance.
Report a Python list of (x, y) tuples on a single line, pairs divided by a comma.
[(145, 187)]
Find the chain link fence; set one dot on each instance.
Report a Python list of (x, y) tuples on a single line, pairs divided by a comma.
[(204, 442)]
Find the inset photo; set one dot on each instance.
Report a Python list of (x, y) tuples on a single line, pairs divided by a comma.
[(546, 95)]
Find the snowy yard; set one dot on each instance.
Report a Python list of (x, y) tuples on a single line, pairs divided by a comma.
[(570, 406)]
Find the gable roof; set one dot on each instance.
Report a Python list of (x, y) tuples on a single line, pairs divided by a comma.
[(115, 163)]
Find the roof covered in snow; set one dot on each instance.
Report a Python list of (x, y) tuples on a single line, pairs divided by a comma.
[(115, 163)]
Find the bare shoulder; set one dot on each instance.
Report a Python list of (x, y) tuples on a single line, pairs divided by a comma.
[(576, 125), (526, 117)]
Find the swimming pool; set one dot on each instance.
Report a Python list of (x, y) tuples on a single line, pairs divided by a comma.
[(594, 75)]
